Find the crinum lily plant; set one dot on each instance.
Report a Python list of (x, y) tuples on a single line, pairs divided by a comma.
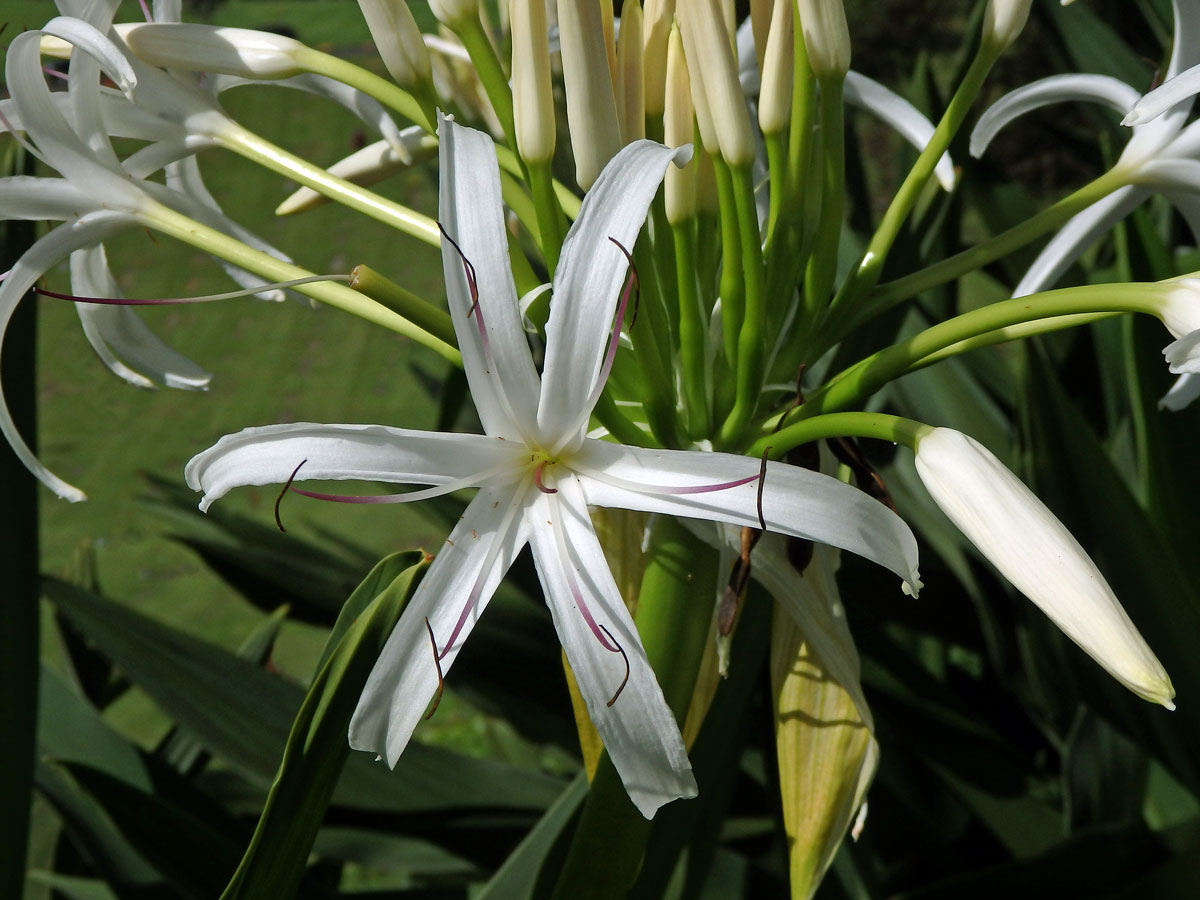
[(708, 357)]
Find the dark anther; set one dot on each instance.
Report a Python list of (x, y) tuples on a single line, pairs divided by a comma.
[(286, 487), (437, 662), (847, 451), (797, 401), (762, 480), (633, 278), (472, 283), (621, 650)]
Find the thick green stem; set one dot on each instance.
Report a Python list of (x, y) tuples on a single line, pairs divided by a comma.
[(854, 385), (490, 70), (777, 175), (399, 299), (751, 354), (386, 92), (866, 276), (248, 144), (674, 611), (880, 426), (822, 265), (1001, 245), (550, 219), (266, 266), (732, 288), (692, 333)]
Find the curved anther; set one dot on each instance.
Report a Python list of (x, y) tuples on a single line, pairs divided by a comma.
[(286, 487), (537, 479), (625, 657), (762, 480)]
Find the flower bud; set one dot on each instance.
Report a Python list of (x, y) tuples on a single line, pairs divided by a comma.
[(775, 94), (398, 40), (1003, 21), (591, 109), (631, 105), (533, 100), (1180, 312), (714, 74), (656, 26), (679, 186), (453, 13), (826, 37), (1015, 531), (206, 48)]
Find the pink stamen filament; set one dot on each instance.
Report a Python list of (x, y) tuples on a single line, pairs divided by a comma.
[(437, 662), (207, 298), (564, 555), (467, 481), (473, 288), (668, 488), (537, 479)]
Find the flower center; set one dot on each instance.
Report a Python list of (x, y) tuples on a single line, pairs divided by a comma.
[(543, 467)]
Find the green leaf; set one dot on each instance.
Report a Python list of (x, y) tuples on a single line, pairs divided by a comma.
[(72, 887), (316, 749), (244, 714)]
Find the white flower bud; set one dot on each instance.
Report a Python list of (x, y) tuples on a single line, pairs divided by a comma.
[(454, 13), (591, 108), (398, 40), (631, 105), (1015, 531), (714, 73), (656, 25), (1003, 21), (826, 37), (679, 186), (775, 95), (205, 48), (533, 100)]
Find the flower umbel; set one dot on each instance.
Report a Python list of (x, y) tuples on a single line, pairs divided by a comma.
[(537, 472)]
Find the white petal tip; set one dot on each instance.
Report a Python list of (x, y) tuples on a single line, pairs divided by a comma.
[(71, 495), (912, 587), (1133, 117), (1169, 704)]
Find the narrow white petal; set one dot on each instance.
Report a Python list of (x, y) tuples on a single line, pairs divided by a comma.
[(372, 164), (1081, 231), (269, 454), (638, 729), (1175, 90), (867, 93), (34, 263), (87, 38), (31, 197), (474, 558), (504, 383), (1182, 393), (795, 501), (1169, 172), (1055, 89), (1032, 549), (587, 283), (1183, 354), (119, 336)]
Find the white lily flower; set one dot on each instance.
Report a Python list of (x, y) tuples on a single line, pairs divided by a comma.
[(1162, 156), (537, 473), (1015, 531)]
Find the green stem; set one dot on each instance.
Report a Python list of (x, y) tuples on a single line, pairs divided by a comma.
[(674, 611), (894, 429), (609, 415), (750, 349), (386, 92), (732, 288), (855, 384), (550, 219), (263, 264), (1006, 242), (777, 173), (399, 299), (490, 70), (652, 347), (248, 144), (692, 333), (1010, 333), (567, 201), (866, 276), (822, 265)]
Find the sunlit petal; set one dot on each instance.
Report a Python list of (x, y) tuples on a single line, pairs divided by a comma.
[(911, 123)]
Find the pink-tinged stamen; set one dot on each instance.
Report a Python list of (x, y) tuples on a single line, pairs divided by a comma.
[(564, 556), (537, 479), (146, 10), (467, 481), (625, 680), (489, 560), (206, 298), (641, 488), (54, 73), (614, 338), (473, 288), (279, 499)]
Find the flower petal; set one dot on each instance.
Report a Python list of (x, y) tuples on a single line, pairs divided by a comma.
[(269, 455), (32, 197), (638, 728), (1081, 231), (119, 336), (867, 93), (795, 501), (1171, 92), (1021, 537), (35, 262), (1185, 390), (504, 383), (587, 282), (475, 557), (1183, 354), (1055, 89)]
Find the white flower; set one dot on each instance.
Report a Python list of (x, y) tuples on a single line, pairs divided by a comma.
[(1015, 531), (1162, 156), (537, 473)]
